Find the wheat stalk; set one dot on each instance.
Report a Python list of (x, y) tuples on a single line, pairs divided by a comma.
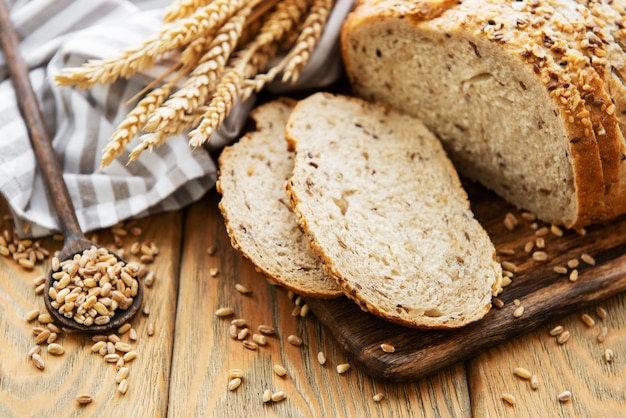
[(205, 22)]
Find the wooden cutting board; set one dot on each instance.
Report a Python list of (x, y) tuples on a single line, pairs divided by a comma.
[(545, 295)]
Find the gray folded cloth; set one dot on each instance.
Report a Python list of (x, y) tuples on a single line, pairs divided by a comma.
[(55, 34)]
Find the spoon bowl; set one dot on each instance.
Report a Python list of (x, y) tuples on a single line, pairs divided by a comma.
[(52, 174), (71, 247)]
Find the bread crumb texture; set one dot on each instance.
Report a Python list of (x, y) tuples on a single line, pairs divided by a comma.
[(385, 210)]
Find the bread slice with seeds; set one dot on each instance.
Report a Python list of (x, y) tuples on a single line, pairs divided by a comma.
[(510, 90), (256, 209), (385, 210)]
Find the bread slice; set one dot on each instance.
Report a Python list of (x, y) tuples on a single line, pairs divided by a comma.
[(256, 209), (509, 90), (385, 210)]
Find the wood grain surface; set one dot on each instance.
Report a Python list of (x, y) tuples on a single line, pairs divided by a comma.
[(544, 294), (182, 371)]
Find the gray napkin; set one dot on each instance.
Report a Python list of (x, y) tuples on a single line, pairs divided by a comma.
[(61, 33)]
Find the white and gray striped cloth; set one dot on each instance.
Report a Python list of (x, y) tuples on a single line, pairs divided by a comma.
[(60, 33)]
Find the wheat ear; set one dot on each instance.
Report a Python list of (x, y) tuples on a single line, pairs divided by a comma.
[(183, 8), (275, 27), (133, 123), (205, 22), (312, 29), (203, 79)]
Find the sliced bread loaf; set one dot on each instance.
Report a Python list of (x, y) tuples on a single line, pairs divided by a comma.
[(514, 90), (256, 209), (385, 210)]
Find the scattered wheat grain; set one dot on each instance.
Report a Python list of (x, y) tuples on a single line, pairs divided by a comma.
[(563, 337), (564, 396), (508, 398)]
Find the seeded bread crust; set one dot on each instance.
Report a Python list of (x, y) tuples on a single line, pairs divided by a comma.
[(256, 210), (383, 207), (465, 69)]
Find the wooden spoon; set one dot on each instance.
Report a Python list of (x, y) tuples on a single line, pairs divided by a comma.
[(75, 241)]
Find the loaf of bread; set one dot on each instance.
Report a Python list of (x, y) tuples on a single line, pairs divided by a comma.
[(256, 209), (384, 208), (528, 98)]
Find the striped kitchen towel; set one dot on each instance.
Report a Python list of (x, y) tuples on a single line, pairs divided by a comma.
[(55, 34)]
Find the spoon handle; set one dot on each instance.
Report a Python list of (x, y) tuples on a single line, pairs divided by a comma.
[(49, 165)]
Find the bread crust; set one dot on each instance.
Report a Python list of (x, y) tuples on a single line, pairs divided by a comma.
[(596, 140)]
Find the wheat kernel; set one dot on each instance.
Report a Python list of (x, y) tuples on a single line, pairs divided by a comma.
[(508, 398), (343, 367), (534, 382), (601, 312), (609, 355), (573, 263), (278, 396), (556, 231), (528, 247), (250, 345), (564, 396), (242, 289), (45, 318), (378, 397), (243, 333), (37, 361), (497, 302), (523, 373), (42, 336), (586, 258), (507, 265), (556, 330), (122, 387), (121, 374), (260, 339), (387, 348), (31, 315), (221, 312), (131, 355), (602, 335), (518, 312), (560, 270), (304, 310), (214, 271), (34, 350), (84, 398), (56, 349), (563, 337), (294, 340), (573, 276), (266, 329), (540, 256), (506, 281), (588, 320), (279, 370), (267, 396), (233, 373), (233, 384), (321, 358)]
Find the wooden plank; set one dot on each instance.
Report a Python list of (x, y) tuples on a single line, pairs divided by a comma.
[(546, 296), (597, 386), (204, 352), (27, 391)]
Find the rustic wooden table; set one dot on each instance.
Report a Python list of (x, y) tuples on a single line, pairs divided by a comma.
[(182, 369)]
